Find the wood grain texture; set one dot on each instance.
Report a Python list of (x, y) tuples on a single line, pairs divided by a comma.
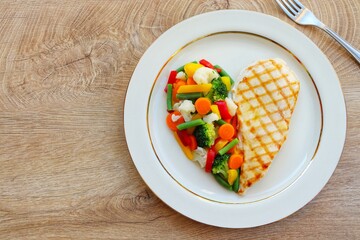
[(66, 172)]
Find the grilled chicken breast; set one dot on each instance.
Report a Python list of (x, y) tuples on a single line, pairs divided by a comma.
[(266, 96)]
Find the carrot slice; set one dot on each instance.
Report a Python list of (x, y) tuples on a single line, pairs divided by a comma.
[(226, 131), (172, 124), (203, 105), (235, 161)]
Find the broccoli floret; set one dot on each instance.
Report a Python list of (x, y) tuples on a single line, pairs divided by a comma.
[(220, 165), (218, 90), (205, 135)]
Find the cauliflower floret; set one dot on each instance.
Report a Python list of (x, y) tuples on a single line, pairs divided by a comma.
[(177, 105), (204, 75), (211, 118), (185, 107), (200, 155), (181, 75), (231, 106)]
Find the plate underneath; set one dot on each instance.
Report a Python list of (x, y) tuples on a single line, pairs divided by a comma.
[(300, 170)]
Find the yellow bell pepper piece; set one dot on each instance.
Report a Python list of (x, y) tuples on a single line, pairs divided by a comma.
[(220, 144), (195, 88), (226, 80), (214, 108), (190, 68), (185, 149), (232, 176)]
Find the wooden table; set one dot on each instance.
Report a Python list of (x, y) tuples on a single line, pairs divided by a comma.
[(65, 170)]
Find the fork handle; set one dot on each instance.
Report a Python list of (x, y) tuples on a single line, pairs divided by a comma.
[(353, 51)]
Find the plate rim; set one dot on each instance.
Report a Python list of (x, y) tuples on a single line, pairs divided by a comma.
[(198, 215)]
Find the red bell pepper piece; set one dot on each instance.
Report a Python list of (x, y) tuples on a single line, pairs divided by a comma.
[(193, 143), (184, 137), (210, 159), (218, 70), (206, 63), (234, 123), (171, 79), (224, 112)]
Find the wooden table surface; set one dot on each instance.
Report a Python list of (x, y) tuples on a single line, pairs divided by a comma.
[(65, 170)]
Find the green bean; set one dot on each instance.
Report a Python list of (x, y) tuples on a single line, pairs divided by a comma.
[(190, 124), (236, 185), (169, 97), (180, 69), (222, 182), (228, 146), (184, 96), (223, 73), (220, 122)]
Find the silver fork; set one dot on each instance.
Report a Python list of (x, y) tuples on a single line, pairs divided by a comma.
[(303, 16)]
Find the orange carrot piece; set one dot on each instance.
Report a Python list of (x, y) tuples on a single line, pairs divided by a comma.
[(235, 161), (203, 105), (172, 125), (176, 87), (226, 131), (190, 81)]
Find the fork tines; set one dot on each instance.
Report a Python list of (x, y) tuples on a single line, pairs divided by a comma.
[(291, 7)]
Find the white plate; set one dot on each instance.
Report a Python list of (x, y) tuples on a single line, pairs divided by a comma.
[(234, 39)]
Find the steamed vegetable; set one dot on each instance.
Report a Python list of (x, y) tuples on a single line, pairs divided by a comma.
[(190, 96), (190, 68), (171, 79), (186, 108), (228, 146), (205, 135), (210, 157), (203, 105), (173, 119), (185, 149), (195, 88), (200, 155), (222, 182), (190, 124), (232, 175), (236, 184), (218, 90), (215, 109), (210, 118), (231, 106), (169, 97), (226, 80), (226, 131), (205, 75), (223, 73), (206, 63), (224, 112), (220, 166), (236, 161), (203, 119)]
